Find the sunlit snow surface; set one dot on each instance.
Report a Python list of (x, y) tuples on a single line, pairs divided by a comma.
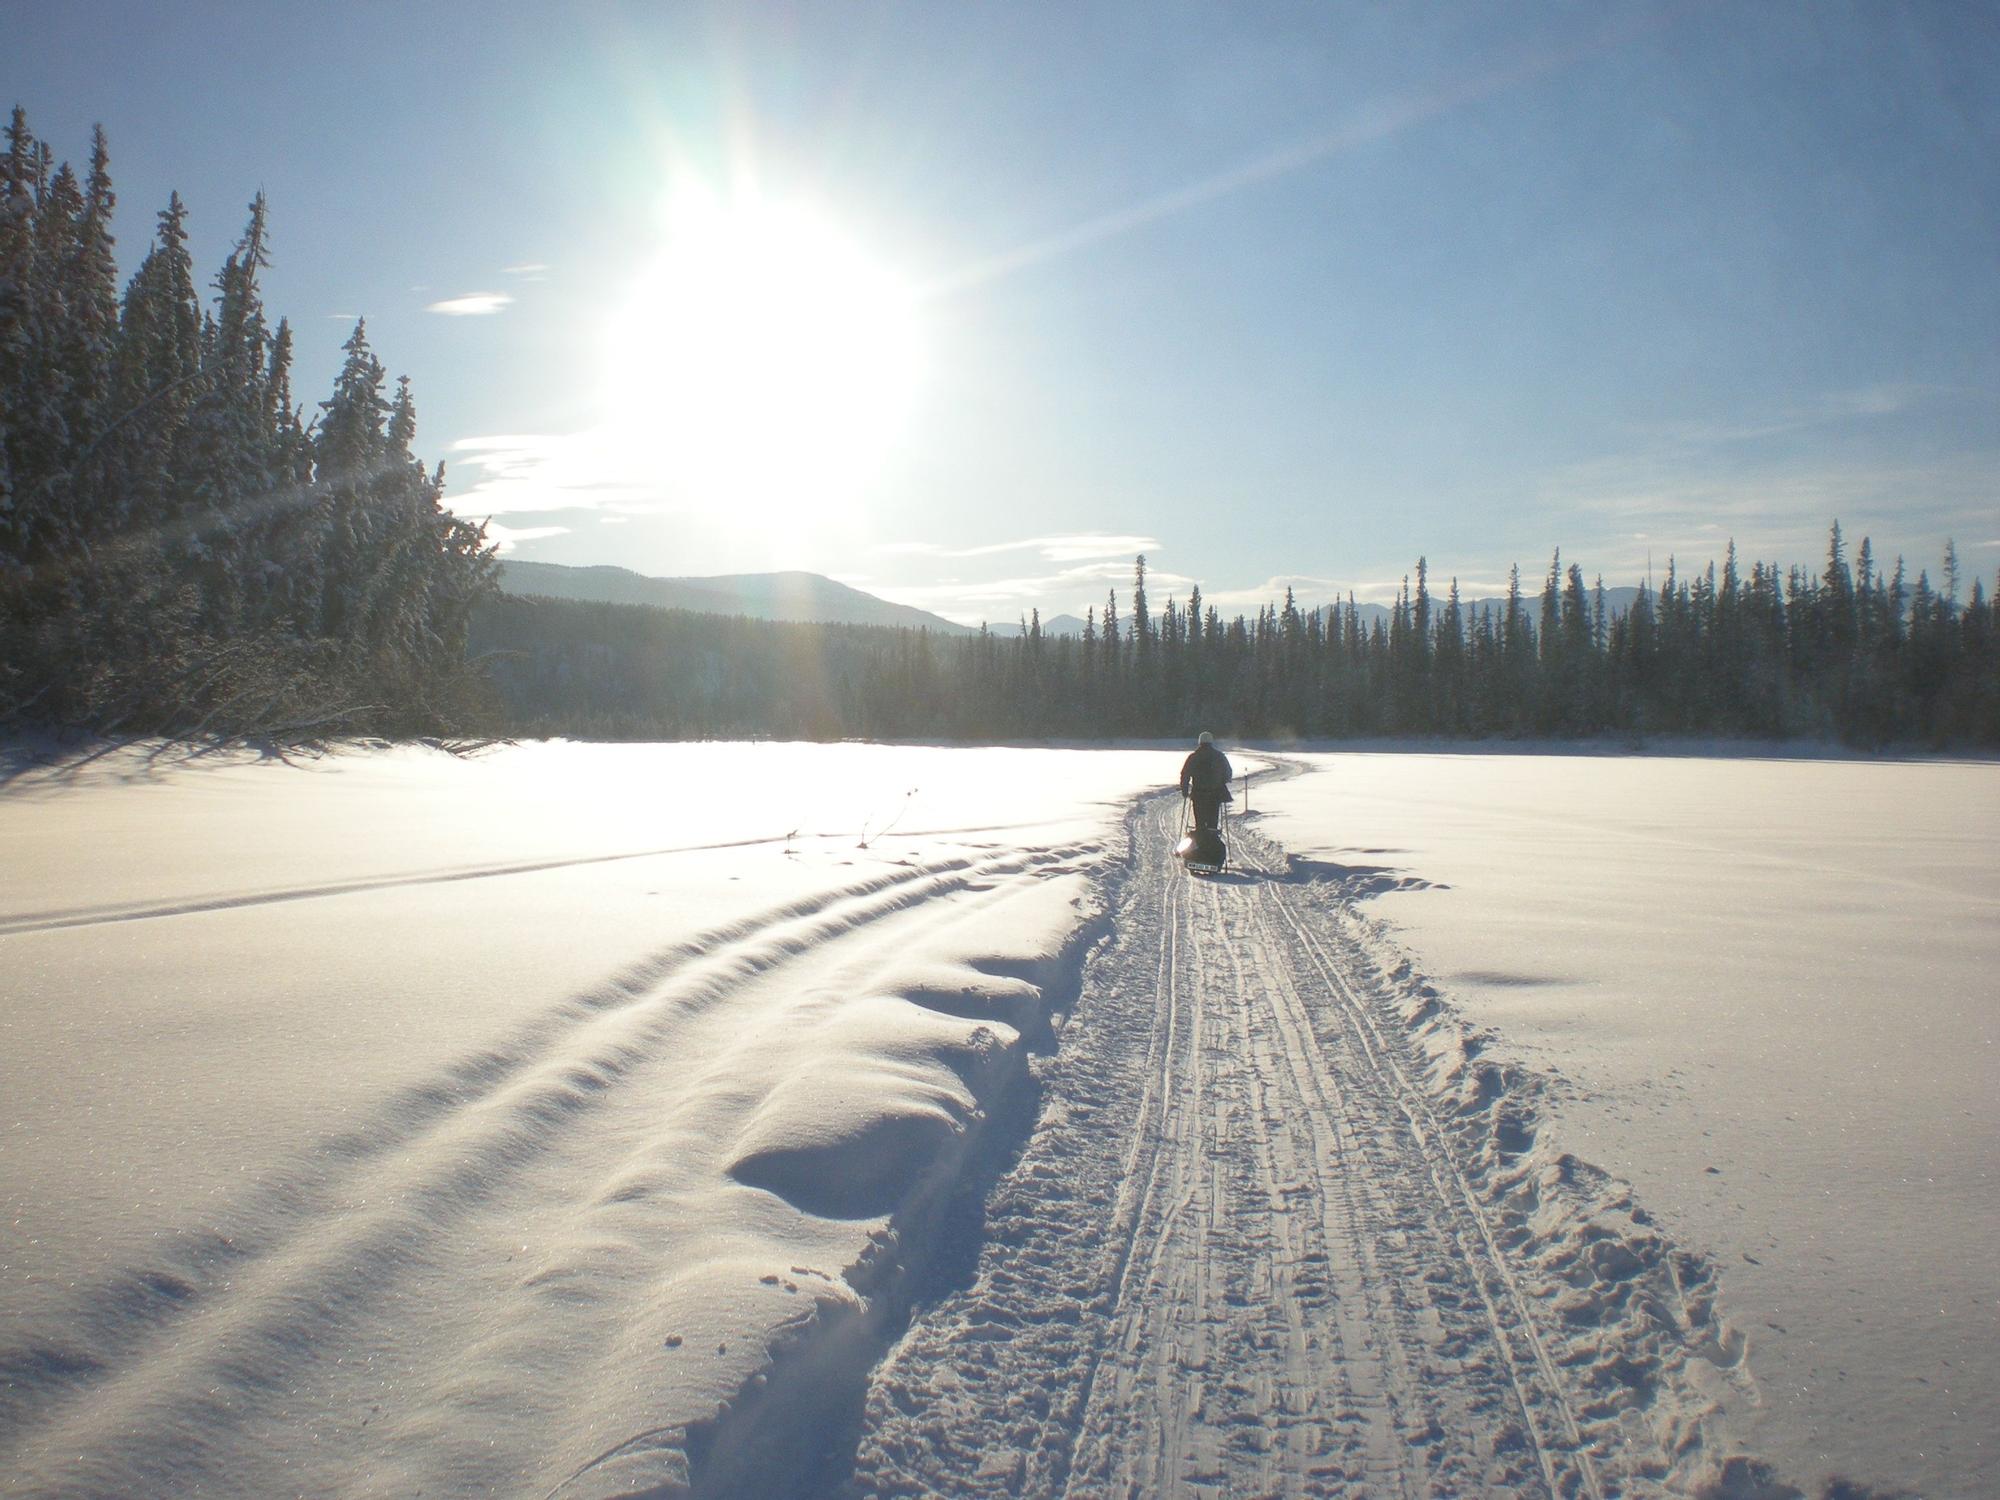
[(391, 1122), (1770, 988), (385, 1121)]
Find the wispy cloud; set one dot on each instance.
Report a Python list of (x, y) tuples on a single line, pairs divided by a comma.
[(1773, 480), (1089, 566), (1304, 587), (1077, 547), (1310, 592), (1074, 589), (471, 305), (510, 537), (536, 473), (1644, 507), (1826, 409), (1637, 492), (530, 270)]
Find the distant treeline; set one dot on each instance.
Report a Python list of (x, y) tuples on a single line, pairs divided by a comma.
[(1851, 652), (180, 550)]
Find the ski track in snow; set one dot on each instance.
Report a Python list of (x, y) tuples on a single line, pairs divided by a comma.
[(294, 1345), (95, 916), (1279, 1233)]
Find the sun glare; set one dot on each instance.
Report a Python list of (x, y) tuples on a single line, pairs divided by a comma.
[(763, 359)]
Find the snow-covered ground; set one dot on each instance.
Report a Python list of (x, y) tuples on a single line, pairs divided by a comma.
[(1771, 989), (393, 1123), (582, 1120)]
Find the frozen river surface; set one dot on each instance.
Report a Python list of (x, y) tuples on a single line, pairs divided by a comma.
[(592, 1120)]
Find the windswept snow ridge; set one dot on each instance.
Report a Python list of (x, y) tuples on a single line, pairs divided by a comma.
[(639, 1239), (565, 1174)]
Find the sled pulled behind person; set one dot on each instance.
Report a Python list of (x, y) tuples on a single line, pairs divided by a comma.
[(1205, 777)]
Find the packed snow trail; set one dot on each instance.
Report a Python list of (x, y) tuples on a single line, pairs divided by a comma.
[(1280, 1233)]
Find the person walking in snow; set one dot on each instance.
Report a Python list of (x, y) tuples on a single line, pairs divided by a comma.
[(1205, 777)]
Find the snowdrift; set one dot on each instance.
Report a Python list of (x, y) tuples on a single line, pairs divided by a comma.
[(329, 1176)]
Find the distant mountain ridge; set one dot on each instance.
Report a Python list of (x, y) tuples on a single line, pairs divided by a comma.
[(1616, 603), (812, 598), (803, 598), (1068, 625)]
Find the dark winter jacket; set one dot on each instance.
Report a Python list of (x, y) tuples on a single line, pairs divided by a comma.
[(1207, 770)]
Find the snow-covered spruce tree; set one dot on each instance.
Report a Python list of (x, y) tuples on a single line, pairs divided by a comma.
[(1449, 713), (36, 428), (1579, 659), (157, 360), (167, 539), (401, 575), (90, 292), (58, 326), (287, 589), (350, 448), (1142, 691), (227, 457), (1419, 704), (1111, 669), (17, 336), (51, 375), (68, 360)]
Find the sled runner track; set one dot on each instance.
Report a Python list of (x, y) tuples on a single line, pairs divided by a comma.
[(372, 1205), (1488, 1273), (1375, 1368), (1232, 1233), (1144, 1158)]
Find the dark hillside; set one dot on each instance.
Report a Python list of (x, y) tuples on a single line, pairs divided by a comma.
[(801, 598)]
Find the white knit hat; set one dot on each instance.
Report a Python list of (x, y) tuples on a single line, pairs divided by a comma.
[(1206, 738)]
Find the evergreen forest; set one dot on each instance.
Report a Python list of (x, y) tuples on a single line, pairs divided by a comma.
[(1852, 653), (181, 549)]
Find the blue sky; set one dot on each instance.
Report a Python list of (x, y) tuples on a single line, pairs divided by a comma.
[(1279, 293)]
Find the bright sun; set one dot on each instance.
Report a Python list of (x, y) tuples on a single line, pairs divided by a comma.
[(763, 360)]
